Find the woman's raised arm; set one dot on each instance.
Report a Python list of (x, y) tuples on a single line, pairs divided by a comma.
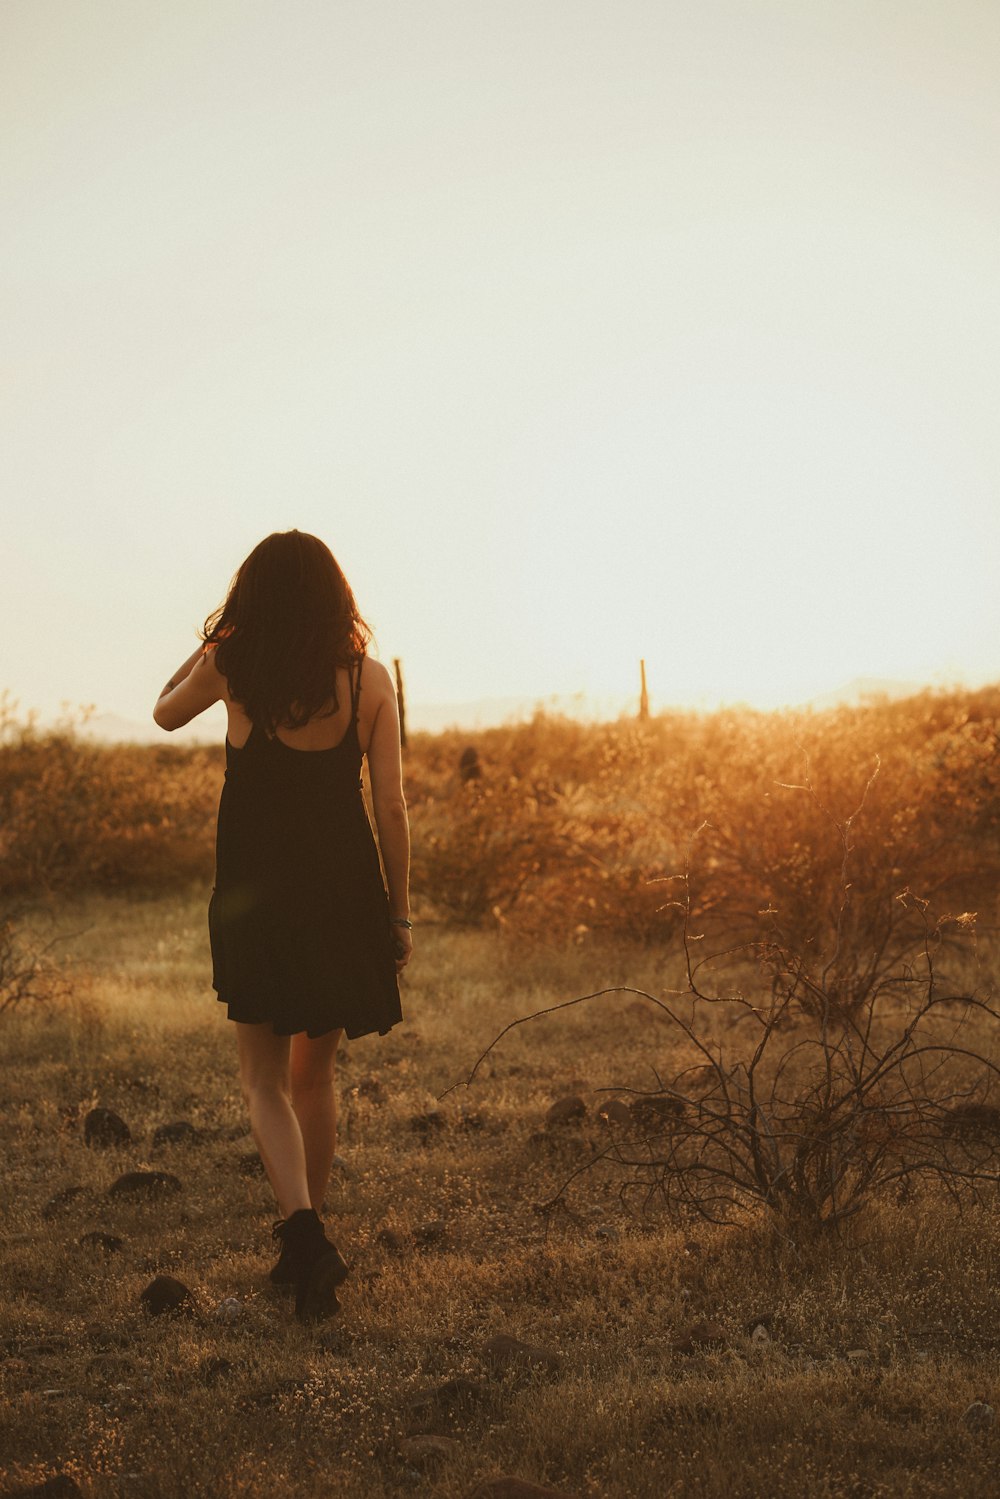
[(194, 686)]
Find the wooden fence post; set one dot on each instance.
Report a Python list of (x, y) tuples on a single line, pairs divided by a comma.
[(400, 700), (643, 694)]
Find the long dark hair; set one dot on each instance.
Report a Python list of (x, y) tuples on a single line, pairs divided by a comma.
[(288, 622)]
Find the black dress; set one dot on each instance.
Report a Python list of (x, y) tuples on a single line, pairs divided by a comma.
[(299, 916)]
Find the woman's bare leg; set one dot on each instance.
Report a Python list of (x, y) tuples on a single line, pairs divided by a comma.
[(315, 1103), (264, 1079)]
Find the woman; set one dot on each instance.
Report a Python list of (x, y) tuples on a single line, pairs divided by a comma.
[(306, 940)]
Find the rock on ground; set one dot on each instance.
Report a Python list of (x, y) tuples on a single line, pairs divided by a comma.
[(104, 1127), (165, 1294), (143, 1184), (566, 1111)]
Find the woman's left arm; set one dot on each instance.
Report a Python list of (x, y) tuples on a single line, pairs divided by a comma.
[(193, 687)]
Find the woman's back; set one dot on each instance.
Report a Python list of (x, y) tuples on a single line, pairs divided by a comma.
[(299, 919), (307, 929), (325, 729)]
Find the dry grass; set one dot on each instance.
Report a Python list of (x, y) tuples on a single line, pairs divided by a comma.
[(576, 825), (875, 1347)]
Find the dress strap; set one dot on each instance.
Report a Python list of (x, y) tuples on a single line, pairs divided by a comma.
[(355, 691)]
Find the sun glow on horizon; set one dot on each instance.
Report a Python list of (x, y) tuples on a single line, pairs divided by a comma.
[(581, 334)]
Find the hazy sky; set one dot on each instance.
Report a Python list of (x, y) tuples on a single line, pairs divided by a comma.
[(580, 331)]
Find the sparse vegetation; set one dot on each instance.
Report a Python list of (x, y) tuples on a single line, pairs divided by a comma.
[(569, 825), (77, 815), (777, 960), (28, 972), (808, 1116)]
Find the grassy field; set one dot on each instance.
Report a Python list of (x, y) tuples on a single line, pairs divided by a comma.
[(675, 1360)]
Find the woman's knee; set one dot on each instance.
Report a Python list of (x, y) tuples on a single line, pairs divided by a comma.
[(313, 1064), (264, 1089), (263, 1061)]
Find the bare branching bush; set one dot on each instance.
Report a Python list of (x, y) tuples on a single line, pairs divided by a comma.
[(27, 973), (812, 1114), (852, 1071), (808, 1119)]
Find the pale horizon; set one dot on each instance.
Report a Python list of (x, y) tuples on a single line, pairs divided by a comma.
[(496, 712), (580, 332)]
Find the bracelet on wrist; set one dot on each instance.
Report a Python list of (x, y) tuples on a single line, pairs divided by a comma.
[(400, 921)]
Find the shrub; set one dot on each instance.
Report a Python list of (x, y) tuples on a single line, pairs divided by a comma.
[(81, 815), (811, 1122), (570, 827), (26, 974)]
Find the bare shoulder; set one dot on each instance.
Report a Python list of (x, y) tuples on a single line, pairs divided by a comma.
[(378, 708), (375, 679), (209, 667)]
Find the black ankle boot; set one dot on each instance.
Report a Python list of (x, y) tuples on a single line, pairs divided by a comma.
[(311, 1263), (282, 1273)]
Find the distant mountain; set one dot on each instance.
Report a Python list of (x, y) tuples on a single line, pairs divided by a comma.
[(482, 713), (431, 718), (112, 728), (855, 692)]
